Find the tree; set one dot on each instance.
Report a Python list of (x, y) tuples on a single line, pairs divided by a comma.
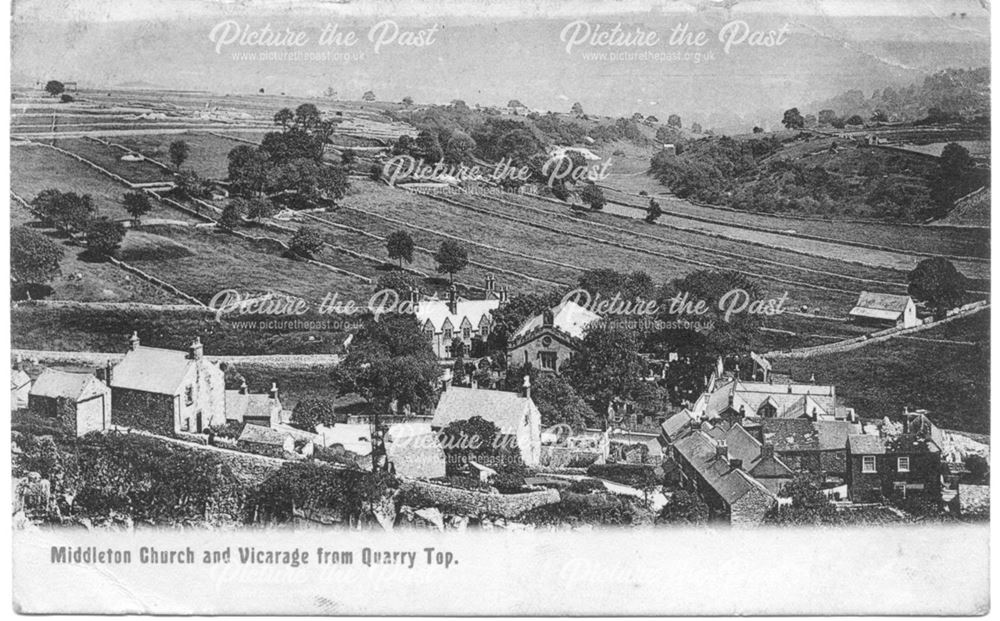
[(879, 116), (307, 117), (368, 96), (308, 413), (518, 145), (400, 246), (685, 508), (758, 130), (284, 117), (66, 98), (459, 148), (400, 282), (793, 119), (593, 196), (577, 109), (854, 119), (654, 211), (451, 257), (559, 403), (136, 204), (104, 236), (232, 215), (407, 101), (67, 211), (348, 156), (607, 366), (979, 468), (809, 505), (674, 120), (54, 87), (306, 242), (179, 151), (34, 258), (955, 160), (936, 282), (826, 117), (247, 170), (696, 128), (257, 208), (428, 147)]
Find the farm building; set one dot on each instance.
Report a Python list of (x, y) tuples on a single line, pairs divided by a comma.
[(80, 400), (444, 320), (548, 340), (515, 415), (167, 391), (884, 310), (266, 441)]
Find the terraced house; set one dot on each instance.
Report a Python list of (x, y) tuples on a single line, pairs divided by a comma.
[(457, 317)]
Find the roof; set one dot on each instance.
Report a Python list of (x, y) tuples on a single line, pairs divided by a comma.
[(909, 443), (568, 317), (791, 434), (56, 384), (19, 379), (882, 302), (864, 444), (240, 406), (257, 434), (833, 434), (675, 425), (743, 446), (151, 369), (507, 410), (698, 450), (872, 313), (789, 400), (438, 312)]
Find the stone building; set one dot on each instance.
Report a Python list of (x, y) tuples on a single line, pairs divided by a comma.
[(884, 310), (167, 391), (80, 401), (548, 340), (444, 320)]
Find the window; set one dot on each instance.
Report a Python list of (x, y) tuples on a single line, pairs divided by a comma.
[(186, 425), (189, 395), (466, 333), (447, 334), (868, 463), (548, 359), (903, 464)]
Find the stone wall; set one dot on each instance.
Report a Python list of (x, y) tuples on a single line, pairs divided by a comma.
[(478, 503), (750, 510), (142, 410)]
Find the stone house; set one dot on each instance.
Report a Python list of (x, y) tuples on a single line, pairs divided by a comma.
[(444, 320), (80, 401), (167, 391), (548, 340), (884, 310), (242, 406), (892, 466), (732, 495), (515, 415), (266, 441), (807, 447), (735, 399)]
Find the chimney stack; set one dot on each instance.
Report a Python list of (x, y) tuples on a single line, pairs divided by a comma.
[(453, 300), (133, 341), (273, 393), (721, 450), (526, 387), (196, 350), (491, 284), (503, 294)]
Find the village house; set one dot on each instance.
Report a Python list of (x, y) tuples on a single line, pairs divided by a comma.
[(167, 391), (266, 441), (515, 415), (732, 495), (444, 320), (20, 386), (817, 449), (242, 406), (80, 401), (550, 339), (884, 310), (890, 464), (734, 400)]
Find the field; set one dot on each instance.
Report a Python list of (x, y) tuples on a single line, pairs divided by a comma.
[(945, 370)]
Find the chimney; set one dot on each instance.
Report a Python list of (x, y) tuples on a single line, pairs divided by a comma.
[(743, 412), (766, 450), (196, 349), (243, 387), (503, 294), (491, 284), (526, 387), (273, 393), (453, 300), (736, 464), (413, 294), (133, 341), (721, 450)]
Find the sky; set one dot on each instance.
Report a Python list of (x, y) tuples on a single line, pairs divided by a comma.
[(490, 52)]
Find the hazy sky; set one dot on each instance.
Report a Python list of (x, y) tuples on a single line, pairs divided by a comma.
[(489, 52)]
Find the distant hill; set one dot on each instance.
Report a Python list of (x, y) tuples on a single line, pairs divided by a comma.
[(952, 92)]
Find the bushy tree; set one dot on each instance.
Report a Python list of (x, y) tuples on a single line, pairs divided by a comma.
[(136, 204), (451, 257), (34, 258), (104, 236), (368, 96), (400, 282), (400, 246), (308, 413), (54, 87), (232, 215), (593, 196), (674, 120), (937, 282), (67, 211), (559, 403), (654, 212), (179, 151), (793, 119), (306, 242), (685, 508), (577, 109)]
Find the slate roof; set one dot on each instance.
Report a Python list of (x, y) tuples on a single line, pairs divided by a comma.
[(18, 379), (789, 400), (698, 450), (568, 317), (791, 434), (909, 443), (507, 410), (436, 311), (864, 444), (833, 434), (742, 446), (55, 384), (151, 369), (240, 406), (675, 425), (880, 305), (257, 434)]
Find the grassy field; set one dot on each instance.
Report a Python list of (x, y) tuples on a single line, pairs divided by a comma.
[(938, 370), (207, 152), (109, 158)]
